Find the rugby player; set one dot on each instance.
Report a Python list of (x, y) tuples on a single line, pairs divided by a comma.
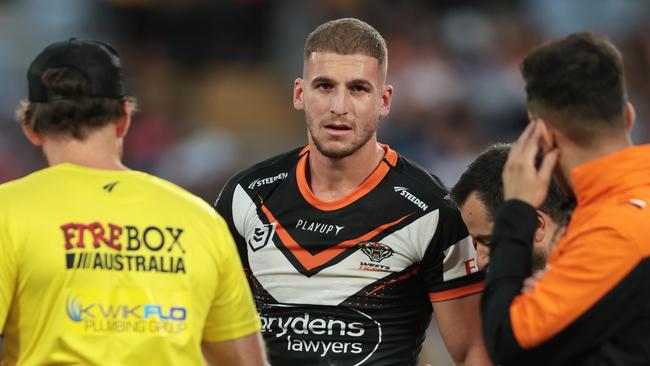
[(479, 193), (102, 265), (348, 245)]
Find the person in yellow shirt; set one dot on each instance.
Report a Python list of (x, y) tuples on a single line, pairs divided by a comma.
[(100, 264)]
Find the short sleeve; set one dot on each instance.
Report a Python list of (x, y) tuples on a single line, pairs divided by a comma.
[(224, 206), (232, 313), (8, 272), (449, 265)]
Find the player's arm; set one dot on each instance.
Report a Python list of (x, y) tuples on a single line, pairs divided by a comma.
[(245, 351), (459, 323), (450, 271), (594, 281)]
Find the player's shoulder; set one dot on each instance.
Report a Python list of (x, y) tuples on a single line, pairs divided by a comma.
[(175, 195), (27, 184), (266, 172), (418, 179)]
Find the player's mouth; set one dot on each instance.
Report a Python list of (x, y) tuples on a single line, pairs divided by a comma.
[(336, 128)]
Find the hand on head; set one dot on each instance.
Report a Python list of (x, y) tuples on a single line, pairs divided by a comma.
[(521, 178)]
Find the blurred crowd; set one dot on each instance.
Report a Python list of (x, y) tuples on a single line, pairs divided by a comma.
[(214, 78)]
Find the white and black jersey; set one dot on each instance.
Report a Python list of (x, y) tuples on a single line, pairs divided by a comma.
[(347, 282)]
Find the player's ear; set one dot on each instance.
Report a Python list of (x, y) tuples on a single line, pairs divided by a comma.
[(630, 116), (122, 124), (386, 100), (548, 135), (34, 137), (298, 101), (542, 226)]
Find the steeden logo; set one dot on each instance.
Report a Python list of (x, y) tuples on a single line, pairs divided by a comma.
[(404, 192), (268, 180)]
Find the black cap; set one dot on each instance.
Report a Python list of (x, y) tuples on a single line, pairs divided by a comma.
[(97, 61)]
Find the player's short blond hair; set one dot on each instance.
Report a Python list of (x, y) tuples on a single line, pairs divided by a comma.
[(348, 36)]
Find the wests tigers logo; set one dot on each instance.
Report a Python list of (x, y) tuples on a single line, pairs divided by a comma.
[(375, 251)]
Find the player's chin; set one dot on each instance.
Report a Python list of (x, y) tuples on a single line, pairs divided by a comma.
[(336, 150)]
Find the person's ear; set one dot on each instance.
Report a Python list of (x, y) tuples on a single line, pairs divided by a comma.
[(542, 227), (298, 94), (386, 100), (34, 137), (122, 125), (548, 135), (630, 116)]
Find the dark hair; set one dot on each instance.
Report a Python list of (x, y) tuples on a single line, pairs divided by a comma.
[(73, 114), (347, 36), (483, 176), (577, 84)]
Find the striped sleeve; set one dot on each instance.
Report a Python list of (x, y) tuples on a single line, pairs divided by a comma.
[(449, 264)]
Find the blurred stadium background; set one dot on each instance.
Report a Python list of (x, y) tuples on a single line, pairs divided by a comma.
[(214, 77)]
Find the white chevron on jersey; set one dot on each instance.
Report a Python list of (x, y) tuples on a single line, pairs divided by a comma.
[(338, 282)]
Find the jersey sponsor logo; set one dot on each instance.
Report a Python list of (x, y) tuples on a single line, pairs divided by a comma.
[(109, 187), (117, 317), (377, 252), (261, 236), (333, 333), (403, 191), (471, 266), (319, 227), (123, 248), (268, 180)]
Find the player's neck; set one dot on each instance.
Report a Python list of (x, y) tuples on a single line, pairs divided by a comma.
[(98, 150), (333, 179), (572, 155)]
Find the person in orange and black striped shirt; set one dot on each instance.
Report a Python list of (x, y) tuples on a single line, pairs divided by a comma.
[(348, 245), (592, 305)]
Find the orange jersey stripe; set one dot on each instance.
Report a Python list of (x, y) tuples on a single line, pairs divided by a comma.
[(457, 292)]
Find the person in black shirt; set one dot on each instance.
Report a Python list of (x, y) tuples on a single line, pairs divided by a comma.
[(348, 246)]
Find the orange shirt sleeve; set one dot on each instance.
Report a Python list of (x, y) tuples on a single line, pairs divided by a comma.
[(590, 264)]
